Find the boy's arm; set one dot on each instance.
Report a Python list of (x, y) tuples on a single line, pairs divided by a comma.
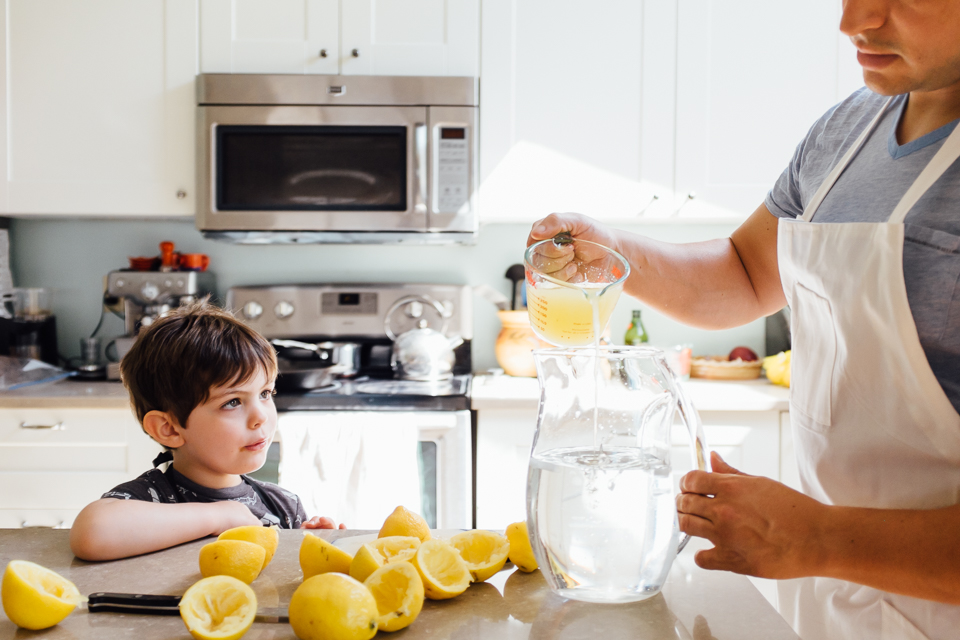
[(109, 529)]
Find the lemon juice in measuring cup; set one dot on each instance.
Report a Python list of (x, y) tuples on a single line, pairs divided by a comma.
[(572, 289)]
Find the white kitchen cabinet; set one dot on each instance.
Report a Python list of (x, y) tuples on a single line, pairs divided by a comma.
[(358, 37), (568, 93), (410, 37), (280, 36), (751, 78), (53, 462), (97, 112)]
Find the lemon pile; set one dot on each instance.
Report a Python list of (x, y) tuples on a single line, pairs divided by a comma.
[(342, 597), (777, 368)]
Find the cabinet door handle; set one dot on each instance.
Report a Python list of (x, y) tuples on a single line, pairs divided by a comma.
[(52, 427), (355, 53), (25, 524)]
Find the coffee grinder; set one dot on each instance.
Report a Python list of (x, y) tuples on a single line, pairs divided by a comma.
[(146, 296), (32, 331)]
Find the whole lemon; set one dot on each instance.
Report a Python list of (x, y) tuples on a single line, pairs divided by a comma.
[(236, 558), (403, 522), (266, 537), (34, 597), (333, 606)]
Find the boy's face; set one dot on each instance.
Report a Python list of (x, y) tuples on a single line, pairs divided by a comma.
[(229, 433)]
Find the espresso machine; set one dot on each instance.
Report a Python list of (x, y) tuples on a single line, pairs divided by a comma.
[(145, 297)]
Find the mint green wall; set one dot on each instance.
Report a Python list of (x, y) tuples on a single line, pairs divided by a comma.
[(71, 257)]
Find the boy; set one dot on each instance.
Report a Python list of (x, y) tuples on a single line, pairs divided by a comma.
[(201, 384)]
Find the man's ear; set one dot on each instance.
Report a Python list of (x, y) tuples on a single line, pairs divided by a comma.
[(164, 428)]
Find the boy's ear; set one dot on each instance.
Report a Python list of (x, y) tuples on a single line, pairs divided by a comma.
[(164, 428)]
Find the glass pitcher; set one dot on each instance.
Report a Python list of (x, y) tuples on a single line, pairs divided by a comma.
[(601, 511)]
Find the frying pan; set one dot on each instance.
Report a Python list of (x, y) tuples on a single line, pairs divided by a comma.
[(312, 365)]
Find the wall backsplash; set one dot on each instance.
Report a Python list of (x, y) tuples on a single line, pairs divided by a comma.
[(71, 257)]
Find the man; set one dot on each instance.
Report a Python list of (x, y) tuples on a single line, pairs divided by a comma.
[(874, 545)]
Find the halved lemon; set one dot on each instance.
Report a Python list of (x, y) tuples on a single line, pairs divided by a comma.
[(397, 548), (521, 553), (319, 556), (333, 606), (485, 552), (367, 560), (403, 522), (236, 558), (266, 537), (218, 608), (443, 571), (35, 597), (398, 590)]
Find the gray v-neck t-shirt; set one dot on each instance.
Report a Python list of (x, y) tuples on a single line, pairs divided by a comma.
[(868, 190)]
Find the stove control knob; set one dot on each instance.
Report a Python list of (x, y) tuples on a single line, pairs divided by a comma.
[(414, 309), (149, 291), (283, 310), (252, 310)]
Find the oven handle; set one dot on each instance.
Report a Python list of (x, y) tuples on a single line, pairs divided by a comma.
[(420, 167)]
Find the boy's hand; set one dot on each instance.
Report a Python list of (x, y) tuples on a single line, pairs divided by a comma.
[(318, 522), (230, 514)]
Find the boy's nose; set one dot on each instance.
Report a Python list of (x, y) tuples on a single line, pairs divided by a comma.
[(258, 415)]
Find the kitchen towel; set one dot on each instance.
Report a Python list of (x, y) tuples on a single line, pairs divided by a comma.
[(353, 467)]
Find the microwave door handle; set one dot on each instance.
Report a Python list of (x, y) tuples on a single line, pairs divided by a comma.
[(420, 167)]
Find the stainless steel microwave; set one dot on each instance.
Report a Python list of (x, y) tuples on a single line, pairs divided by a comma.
[(337, 159)]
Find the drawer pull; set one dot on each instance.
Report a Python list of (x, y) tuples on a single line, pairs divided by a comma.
[(25, 524), (52, 427)]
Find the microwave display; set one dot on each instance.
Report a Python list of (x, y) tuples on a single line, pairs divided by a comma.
[(311, 168)]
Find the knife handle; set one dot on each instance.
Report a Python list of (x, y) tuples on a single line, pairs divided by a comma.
[(134, 603)]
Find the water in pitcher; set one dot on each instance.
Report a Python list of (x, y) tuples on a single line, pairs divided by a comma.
[(604, 521)]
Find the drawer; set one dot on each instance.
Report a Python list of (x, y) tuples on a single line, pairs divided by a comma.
[(63, 457), (39, 518), (65, 426), (42, 490)]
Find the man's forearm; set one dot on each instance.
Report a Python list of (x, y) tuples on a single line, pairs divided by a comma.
[(715, 284), (911, 552)]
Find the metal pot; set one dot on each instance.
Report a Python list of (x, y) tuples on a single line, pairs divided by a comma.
[(424, 354), (421, 353), (307, 365)]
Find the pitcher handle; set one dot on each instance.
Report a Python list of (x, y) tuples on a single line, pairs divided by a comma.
[(698, 443)]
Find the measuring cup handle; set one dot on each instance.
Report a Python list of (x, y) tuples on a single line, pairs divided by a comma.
[(698, 444)]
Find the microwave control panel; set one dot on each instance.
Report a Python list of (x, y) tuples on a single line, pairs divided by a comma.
[(453, 170)]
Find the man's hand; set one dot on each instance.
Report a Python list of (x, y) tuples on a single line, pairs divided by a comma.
[(321, 522), (579, 226), (758, 526)]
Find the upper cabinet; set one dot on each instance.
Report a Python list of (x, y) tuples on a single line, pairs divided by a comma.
[(355, 37), (635, 110), (752, 78), (97, 115), (279, 36)]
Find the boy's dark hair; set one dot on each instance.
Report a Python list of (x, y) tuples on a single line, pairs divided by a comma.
[(176, 362)]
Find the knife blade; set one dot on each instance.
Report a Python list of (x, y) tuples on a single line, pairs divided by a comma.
[(161, 605)]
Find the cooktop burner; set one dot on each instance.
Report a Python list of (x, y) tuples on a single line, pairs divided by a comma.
[(373, 394), (451, 387)]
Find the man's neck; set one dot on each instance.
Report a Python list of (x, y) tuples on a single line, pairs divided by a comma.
[(928, 111)]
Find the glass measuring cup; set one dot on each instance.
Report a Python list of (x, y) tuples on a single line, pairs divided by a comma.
[(572, 288)]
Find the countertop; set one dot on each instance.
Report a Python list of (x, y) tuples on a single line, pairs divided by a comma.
[(68, 393), (695, 604), (508, 392)]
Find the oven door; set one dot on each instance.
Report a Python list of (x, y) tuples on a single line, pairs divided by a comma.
[(358, 466), (312, 168)]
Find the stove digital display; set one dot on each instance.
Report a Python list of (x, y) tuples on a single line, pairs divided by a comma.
[(348, 299)]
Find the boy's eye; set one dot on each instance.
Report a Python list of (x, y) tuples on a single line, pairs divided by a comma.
[(268, 393), (232, 404)]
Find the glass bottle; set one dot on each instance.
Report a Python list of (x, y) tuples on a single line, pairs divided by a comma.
[(636, 334)]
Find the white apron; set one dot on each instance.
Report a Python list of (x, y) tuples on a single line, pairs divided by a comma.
[(871, 424)]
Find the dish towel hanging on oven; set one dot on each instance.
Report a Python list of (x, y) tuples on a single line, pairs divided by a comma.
[(355, 467)]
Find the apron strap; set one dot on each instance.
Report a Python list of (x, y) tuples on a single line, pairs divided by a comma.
[(945, 157), (831, 178)]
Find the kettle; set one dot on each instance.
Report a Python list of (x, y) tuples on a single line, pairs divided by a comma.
[(422, 353)]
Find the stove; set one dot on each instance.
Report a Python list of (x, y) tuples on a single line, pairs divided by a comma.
[(364, 441)]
